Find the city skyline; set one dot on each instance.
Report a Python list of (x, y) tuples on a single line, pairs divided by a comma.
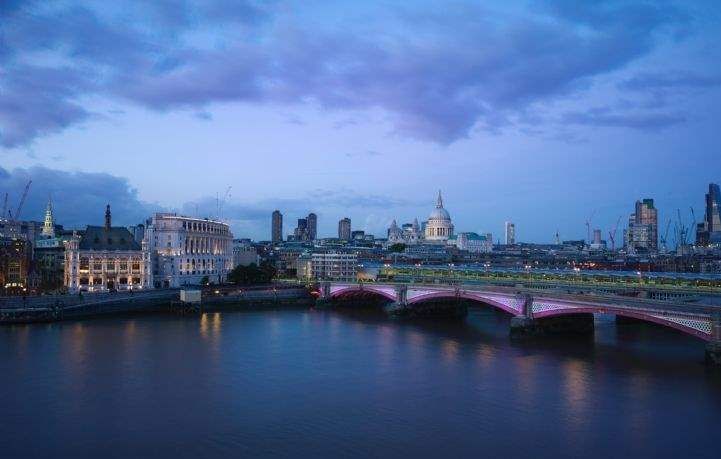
[(503, 142)]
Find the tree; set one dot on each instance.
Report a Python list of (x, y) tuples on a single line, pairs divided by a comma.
[(252, 274), (205, 280), (397, 247)]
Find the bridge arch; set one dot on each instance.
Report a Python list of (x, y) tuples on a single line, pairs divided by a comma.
[(355, 290), (509, 308), (690, 326)]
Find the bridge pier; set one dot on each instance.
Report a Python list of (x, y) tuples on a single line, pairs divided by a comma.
[(713, 348), (526, 325)]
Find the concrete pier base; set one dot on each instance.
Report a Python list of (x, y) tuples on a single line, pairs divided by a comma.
[(713, 353), (574, 325), (430, 310)]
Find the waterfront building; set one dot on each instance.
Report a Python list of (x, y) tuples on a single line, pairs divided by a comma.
[(185, 250), (708, 232), (344, 229), (440, 226), (642, 232), (14, 265), (244, 254), (106, 258), (328, 265), (277, 227), (510, 233)]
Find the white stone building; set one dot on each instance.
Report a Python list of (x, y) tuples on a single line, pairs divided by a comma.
[(184, 250), (106, 258)]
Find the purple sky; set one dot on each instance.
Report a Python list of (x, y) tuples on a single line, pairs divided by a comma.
[(540, 112)]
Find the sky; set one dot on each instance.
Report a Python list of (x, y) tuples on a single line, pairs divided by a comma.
[(544, 113)]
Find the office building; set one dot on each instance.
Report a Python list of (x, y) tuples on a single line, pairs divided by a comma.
[(642, 232), (330, 266), (185, 250), (312, 226), (510, 233), (277, 227), (708, 232), (344, 229)]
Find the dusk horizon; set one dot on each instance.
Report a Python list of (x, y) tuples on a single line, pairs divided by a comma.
[(405, 102)]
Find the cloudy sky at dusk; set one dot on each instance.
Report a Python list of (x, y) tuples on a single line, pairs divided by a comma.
[(541, 112)]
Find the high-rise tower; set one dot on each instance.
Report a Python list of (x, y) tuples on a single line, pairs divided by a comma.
[(49, 225), (277, 227)]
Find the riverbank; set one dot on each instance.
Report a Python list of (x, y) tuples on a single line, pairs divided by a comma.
[(72, 307)]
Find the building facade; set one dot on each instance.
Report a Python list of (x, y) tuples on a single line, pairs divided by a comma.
[(709, 231), (329, 265), (244, 254), (186, 250), (472, 242), (510, 238), (642, 232), (276, 227), (14, 265), (344, 229), (106, 258)]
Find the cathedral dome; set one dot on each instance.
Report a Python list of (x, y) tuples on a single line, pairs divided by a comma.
[(439, 227)]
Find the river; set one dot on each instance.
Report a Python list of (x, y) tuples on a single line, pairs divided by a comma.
[(302, 383)]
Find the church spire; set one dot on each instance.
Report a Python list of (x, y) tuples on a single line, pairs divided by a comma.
[(49, 224), (439, 203), (107, 218)]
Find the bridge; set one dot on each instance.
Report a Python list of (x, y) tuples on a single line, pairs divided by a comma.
[(531, 309)]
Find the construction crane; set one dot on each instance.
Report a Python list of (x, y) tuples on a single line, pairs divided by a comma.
[(612, 234), (221, 202), (588, 227), (5, 207), (682, 230), (664, 238), (22, 201), (695, 222)]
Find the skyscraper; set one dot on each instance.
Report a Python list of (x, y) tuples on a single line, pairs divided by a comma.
[(301, 230), (49, 224), (277, 227), (312, 226), (709, 231), (642, 230), (510, 233), (344, 230)]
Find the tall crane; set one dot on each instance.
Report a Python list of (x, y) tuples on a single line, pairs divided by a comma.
[(612, 234), (5, 207), (682, 230), (22, 201), (588, 227), (664, 238), (695, 222), (221, 202)]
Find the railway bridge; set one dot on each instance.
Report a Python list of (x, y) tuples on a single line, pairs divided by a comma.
[(530, 309)]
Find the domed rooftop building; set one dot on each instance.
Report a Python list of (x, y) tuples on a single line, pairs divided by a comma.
[(439, 227)]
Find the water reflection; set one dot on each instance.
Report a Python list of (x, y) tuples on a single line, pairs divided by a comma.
[(322, 384)]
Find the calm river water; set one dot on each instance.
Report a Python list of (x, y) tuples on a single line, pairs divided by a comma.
[(331, 384)]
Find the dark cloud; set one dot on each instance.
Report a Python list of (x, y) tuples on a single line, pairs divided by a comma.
[(79, 198), (670, 80), (605, 117), (455, 70)]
